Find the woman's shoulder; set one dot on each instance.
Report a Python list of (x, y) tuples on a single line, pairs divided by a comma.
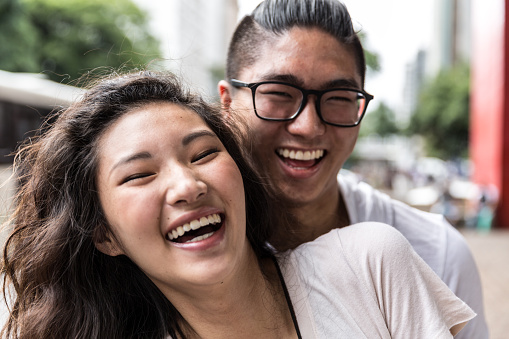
[(365, 236)]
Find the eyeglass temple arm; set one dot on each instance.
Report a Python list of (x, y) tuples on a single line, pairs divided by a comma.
[(238, 83)]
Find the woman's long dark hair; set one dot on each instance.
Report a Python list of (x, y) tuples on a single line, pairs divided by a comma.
[(60, 285)]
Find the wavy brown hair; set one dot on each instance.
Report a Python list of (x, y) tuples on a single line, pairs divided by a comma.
[(57, 283)]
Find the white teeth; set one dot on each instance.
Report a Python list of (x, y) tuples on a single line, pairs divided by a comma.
[(194, 225), (201, 237), (300, 155)]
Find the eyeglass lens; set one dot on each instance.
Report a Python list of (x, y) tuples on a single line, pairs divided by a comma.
[(278, 101)]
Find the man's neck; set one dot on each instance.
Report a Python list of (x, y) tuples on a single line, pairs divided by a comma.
[(314, 220)]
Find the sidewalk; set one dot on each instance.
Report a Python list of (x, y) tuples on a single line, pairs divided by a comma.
[(491, 253)]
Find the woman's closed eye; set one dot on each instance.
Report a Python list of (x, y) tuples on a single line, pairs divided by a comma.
[(205, 154), (137, 176)]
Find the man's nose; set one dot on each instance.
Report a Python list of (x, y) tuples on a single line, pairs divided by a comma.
[(307, 124)]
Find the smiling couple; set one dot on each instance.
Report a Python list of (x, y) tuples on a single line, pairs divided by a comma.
[(139, 216)]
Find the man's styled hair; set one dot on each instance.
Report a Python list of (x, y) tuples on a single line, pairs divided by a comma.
[(275, 17)]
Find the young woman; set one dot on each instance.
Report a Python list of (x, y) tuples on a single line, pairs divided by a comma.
[(137, 217)]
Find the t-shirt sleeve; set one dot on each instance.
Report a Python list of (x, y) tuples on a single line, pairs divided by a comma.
[(438, 243), (462, 277), (413, 299)]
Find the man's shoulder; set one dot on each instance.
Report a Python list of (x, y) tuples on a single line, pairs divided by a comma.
[(441, 246), (363, 202), (431, 236)]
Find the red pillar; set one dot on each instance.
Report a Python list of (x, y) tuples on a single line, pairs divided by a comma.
[(489, 116)]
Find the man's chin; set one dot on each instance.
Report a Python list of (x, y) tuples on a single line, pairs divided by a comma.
[(296, 197)]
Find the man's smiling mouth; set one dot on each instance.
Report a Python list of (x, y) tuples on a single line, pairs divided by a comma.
[(300, 159)]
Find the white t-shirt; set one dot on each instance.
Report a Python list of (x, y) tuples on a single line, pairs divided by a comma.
[(365, 281), (441, 246)]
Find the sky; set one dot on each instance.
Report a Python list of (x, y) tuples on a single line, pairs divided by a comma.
[(395, 30)]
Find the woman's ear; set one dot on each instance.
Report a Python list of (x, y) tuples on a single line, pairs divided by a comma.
[(109, 247), (106, 243)]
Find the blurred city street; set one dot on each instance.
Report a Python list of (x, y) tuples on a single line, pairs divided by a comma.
[(490, 249), (491, 252)]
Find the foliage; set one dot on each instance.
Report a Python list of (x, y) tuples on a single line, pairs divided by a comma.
[(372, 58), (67, 38), (17, 38), (381, 121), (442, 115)]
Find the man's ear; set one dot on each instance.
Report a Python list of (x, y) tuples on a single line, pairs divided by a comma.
[(107, 244), (224, 89)]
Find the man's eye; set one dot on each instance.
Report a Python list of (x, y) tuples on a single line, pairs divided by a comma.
[(279, 93), (205, 154), (340, 98)]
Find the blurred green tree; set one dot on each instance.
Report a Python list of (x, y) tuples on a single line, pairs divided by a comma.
[(372, 58), (68, 38), (442, 114), (17, 38), (381, 121)]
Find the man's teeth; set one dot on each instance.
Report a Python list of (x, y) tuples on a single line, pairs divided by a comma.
[(300, 155), (194, 225)]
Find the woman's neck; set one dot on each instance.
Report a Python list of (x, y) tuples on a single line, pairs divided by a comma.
[(250, 305)]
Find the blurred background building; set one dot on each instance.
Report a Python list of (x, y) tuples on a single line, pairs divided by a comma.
[(194, 37), (444, 144)]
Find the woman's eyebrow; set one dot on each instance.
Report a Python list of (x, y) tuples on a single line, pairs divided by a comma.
[(130, 158), (192, 136)]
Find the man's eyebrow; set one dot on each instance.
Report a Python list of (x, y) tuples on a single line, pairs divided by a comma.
[(291, 79), (131, 158), (192, 136), (338, 83)]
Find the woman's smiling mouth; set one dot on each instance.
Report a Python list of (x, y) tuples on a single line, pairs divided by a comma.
[(196, 230)]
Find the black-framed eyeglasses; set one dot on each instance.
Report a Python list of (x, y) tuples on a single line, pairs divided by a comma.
[(281, 101)]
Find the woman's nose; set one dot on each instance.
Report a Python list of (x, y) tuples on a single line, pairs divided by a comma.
[(185, 187)]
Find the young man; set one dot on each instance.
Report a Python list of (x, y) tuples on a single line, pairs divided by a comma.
[(295, 73)]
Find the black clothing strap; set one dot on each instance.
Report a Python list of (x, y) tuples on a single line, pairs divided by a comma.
[(287, 297)]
